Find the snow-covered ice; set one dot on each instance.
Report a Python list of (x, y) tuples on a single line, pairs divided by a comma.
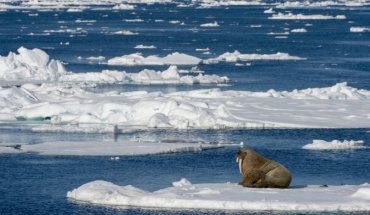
[(335, 145), (302, 16), (214, 24), (106, 148), (299, 30), (359, 29), (171, 59), (34, 65), (339, 106), (228, 196), (172, 75), (237, 56), (31, 65)]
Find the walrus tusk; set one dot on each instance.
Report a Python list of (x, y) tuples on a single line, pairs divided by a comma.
[(237, 159), (240, 165)]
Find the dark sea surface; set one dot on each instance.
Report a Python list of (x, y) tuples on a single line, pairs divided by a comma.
[(34, 184)]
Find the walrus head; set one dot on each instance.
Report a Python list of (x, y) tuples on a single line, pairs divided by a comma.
[(239, 158)]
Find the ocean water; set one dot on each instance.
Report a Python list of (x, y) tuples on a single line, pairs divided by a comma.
[(34, 184)]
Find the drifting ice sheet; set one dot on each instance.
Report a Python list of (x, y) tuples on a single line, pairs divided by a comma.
[(335, 145), (228, 197), (339, 106), (107, 148)]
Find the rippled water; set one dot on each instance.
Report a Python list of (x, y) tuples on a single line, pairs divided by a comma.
[(39, 184), (33, 184)]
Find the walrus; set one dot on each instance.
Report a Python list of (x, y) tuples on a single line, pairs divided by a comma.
[(261, 172)]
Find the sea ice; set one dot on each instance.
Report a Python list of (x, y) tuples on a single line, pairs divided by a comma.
[(306, 17), (335, 145), (359, 29), (122, 148), (31, 65), (228, 196), (339, 106), (237, 56), (171, 59)]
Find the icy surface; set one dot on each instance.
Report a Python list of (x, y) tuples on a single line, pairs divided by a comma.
[(339, 106), (237, 56), (228, 196), (302, 16), (359, 29), (170, 76), (106, 148), (35, 65), (172, 59), (30, 65), (335, 145)]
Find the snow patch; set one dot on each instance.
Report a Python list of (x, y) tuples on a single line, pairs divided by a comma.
[(335, 145), (228, 196)]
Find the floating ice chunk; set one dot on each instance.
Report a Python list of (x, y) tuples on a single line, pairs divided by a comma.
[(123, 32), (124, 7), (359, 29), (126, 148), (145, 47), (228, 196), (305, 17), (299, 30), (182, 182), (269, 11), (30, 64), (171, 59), (169, 76), (335, 145), (214, 24), (99, 58), (339, 106), (237, 56)]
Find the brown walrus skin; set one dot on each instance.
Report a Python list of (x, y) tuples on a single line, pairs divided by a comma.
[(261, 172)]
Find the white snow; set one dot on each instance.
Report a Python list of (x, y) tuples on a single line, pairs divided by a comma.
[(335, 145), (237, 56), (323, 3), (171, 59), (124, 32), (124, 7), (145, 47), (359, 29), (269, 11), (87, 148), (339, 106), (214, 24), (299, 30), (301, 16), (228, 196), (146, 76), (31, 65), (35, 65)]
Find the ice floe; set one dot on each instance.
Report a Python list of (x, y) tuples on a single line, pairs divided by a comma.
[(335, 145), (30, 65), (228, 196), (237, 56), (172, 75), (299, 30), (339, 106), (127, 148), (302, 16), (171, 59), (359, 29), (214, 24), (34, 65)]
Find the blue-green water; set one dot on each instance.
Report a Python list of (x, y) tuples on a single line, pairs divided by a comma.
[(34, 184)]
